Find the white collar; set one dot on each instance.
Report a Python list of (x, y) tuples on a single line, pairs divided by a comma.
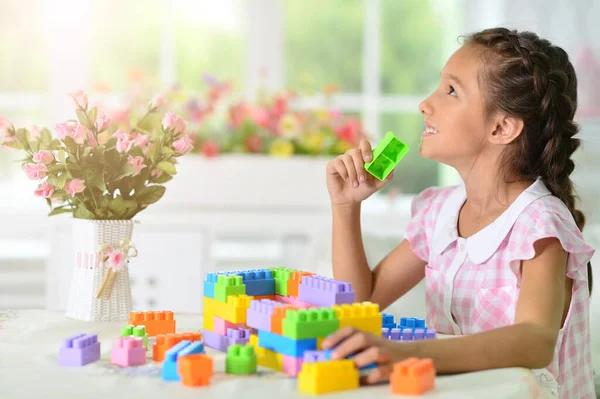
[(482, 245)]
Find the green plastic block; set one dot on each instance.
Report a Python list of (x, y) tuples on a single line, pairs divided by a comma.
[(228, 285), (136, 331), (240, 360), (281, 276), (309, 323), (386, 156)]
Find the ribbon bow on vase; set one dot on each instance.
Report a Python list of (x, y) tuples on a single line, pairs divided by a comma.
[(114, 258)]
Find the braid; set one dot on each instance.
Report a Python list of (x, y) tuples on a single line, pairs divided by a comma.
[(534, 80)]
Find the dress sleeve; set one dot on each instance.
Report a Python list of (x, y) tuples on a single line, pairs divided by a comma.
[(420, 228)]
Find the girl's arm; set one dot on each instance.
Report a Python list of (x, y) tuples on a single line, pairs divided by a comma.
[(530, 342), (395, 274)]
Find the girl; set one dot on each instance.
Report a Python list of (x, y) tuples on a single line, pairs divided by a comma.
[(503, 255)]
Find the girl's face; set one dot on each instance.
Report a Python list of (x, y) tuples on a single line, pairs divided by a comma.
[(455, 122)]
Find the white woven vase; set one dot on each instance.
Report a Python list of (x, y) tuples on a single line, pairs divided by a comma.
[(89, 273)]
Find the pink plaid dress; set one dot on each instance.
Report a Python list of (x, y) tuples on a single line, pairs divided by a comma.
[(472, 284)]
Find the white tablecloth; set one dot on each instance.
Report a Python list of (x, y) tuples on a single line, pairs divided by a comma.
[(29, 342)]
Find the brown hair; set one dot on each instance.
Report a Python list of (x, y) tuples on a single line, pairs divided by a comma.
[(530, 78)]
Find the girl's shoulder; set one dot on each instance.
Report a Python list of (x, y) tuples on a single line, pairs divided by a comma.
[(429, 201)]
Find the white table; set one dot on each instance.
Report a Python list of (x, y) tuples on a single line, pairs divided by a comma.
[(29, 342)]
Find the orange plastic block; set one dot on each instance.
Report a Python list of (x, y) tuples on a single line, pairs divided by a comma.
[(195, 370), (277, 318), (156, 323), (413, 376), (259, 297), (166, 342), (293, 282)]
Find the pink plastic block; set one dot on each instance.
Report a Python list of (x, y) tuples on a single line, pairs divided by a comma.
[(221, 326), (129, 351), (292, 300), (79, 350), (323, 291), (292, 365)]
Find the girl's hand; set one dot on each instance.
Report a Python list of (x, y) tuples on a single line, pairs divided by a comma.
[(347, 180), (366, 349)]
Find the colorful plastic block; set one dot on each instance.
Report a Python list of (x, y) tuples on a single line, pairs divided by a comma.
[(363, 316), (79, 350), (293, 301), (294, 281), (323, 291), (411, 322), (260, 297), (166, 342), (240, 360), (221, 326), (234, 311), (209, 284), (193, 348), (413, 377), (281, 276), (326, 377), (284, 345), (161, 322), (317, 356), (309, 323), (292, 365), (222, 342), (430, 333), (128, 351), (277, 318), (386, 156), (266, 357), (195, 370), (139, 332), (258, 282), (259, 314), (169, 367), (228, 285), (387, 321)]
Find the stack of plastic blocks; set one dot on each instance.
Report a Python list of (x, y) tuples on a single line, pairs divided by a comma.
[(158, 322), (187, 362), (79, 350), (409, 329), (136, 331)]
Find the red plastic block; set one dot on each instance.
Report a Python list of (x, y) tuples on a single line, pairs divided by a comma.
[(413, 377), (156, 323)]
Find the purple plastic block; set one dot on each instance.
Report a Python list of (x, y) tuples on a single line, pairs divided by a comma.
[(430, 333), (79, 350), (316, 356), (395, 334), (419, 333), (322, 291), (221, 342), (259, 313), (239, 336), (385, 332), (407, 334)]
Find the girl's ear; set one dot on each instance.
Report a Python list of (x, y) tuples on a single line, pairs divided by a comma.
[(507, 129)]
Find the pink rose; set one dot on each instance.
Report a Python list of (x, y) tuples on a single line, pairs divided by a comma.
[(102, 121), (183, 145), (137, 163), (63, 130), (80, 134), (44, 157), (116, 257), (35, 171), (174, 122), (124, 144), (77, 132), (156, 173), (91, 140), (45, 191), (157, 102), (75, 186), (80, 98), (141, 140)]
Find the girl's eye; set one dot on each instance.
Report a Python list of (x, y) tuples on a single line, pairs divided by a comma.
[(452, 92)]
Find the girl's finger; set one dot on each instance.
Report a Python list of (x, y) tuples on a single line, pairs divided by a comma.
[(365, 149), (371, 355), (379, 374), (351, 345), (359, 165), (340, 168), (349, 163), (337, 337)]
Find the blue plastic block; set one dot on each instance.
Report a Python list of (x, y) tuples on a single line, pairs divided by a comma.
[(284, 345), (192, 349), (258, 282), (411, 322), (209, 284), (169, 367), (387, 321)]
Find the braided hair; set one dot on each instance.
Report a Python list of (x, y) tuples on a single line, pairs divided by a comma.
[(530, 78)]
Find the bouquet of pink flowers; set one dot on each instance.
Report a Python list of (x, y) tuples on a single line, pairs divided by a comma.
[(99, 173)]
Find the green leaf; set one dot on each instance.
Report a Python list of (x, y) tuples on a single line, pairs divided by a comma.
[(165, 177), (136, 152), (125, 171), (82, 213), (168, 151), (150, 194), (92, 115), (61, 156), (14, 145), (22, 136), (168, 167), (45, 139), (56, 145), (35, 145), (122, 208), (61, 181), (71, 145), (97, 180), (83, 119), (52, 180), (153, 153), (58, 211)]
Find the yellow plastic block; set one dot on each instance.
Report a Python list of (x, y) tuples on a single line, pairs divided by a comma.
[(266, 357), (320, 343), (209, 320), (233, 311), (330, 376), (363, 316)]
